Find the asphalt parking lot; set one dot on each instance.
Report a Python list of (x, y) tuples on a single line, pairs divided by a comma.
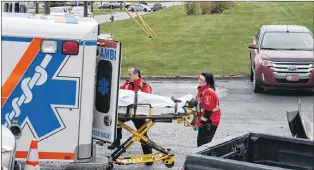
[(242, 110)]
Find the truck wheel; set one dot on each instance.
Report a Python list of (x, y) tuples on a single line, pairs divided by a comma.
[(145, 10), (251, 74), (109, 167), (17, 166), (170, 165), (257, 88)]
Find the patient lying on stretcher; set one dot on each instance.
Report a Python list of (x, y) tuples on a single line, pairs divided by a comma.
[(160, 104)]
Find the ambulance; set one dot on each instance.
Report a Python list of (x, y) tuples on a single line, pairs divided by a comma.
[(58, 85)]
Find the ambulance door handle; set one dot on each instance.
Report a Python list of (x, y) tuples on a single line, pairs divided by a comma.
[(107, 120)]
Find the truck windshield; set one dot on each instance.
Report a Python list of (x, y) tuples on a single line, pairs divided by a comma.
[(287, 41)]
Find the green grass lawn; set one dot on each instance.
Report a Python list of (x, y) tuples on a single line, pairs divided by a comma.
[(188, 45)]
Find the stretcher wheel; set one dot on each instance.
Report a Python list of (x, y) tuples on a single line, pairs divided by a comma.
[(170, 165), (169, 162)]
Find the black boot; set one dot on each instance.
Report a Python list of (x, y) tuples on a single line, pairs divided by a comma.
[(147, 150), (114, 145)]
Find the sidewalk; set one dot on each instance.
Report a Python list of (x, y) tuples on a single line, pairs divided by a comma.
[(123, 15), (117, 16)]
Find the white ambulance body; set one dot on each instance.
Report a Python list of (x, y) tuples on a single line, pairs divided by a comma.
[(49, 85)]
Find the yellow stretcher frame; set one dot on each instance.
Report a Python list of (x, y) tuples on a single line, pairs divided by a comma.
[(162, 154)]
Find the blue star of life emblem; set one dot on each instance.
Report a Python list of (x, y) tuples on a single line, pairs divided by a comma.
[(38, 96), (103, 86)]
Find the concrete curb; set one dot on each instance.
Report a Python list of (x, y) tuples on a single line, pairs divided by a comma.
[(217, 77)]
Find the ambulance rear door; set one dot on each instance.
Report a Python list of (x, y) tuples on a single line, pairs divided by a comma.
[(107, 90)]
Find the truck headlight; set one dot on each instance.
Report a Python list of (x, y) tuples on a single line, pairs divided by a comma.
[(265, 63)]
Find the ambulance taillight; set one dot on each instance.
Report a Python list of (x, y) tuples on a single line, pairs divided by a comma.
[(70, 47)]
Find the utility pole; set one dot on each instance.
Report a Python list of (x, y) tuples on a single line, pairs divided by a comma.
[(17, 7), (85, 8), (47, 7)]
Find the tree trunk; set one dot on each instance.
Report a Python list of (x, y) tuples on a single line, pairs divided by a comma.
[(36, 7), (10, 7), (17, 7), (92, 6), (6, 7), (85, 9), (47, 7)]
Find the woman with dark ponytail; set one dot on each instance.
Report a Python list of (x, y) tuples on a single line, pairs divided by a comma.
[(209, 80), (208, 108)]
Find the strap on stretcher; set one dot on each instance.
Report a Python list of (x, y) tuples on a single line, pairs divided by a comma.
[(134, 106), (176, 104)]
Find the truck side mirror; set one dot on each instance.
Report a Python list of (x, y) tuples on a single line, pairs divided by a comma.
[(252, 46)]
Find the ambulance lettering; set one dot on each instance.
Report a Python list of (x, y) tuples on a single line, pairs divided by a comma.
[(108, 54), (38, 95)]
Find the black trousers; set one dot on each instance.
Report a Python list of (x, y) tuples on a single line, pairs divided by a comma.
[(205, 134), (138, 123)]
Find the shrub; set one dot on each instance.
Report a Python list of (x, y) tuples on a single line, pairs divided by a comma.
[(219, 6), (211, 7), (190, 8), (205, 7), (227, 5)]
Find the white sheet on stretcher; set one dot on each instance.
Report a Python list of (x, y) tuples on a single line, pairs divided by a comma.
[(160, 104)]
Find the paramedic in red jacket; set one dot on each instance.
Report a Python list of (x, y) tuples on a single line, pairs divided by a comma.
[(134, 83), (207, 104)]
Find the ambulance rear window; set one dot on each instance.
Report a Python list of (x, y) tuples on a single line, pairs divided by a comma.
[(103, 86)]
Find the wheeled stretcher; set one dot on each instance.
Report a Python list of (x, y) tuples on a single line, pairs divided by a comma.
[(153, 108)]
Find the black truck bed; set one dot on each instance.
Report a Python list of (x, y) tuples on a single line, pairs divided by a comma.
[(254, 151), (258, 151)]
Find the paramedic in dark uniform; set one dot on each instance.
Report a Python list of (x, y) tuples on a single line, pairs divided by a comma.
[(134, 83), (207, 106)]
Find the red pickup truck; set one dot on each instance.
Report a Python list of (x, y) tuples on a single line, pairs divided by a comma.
[(282, 57)]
